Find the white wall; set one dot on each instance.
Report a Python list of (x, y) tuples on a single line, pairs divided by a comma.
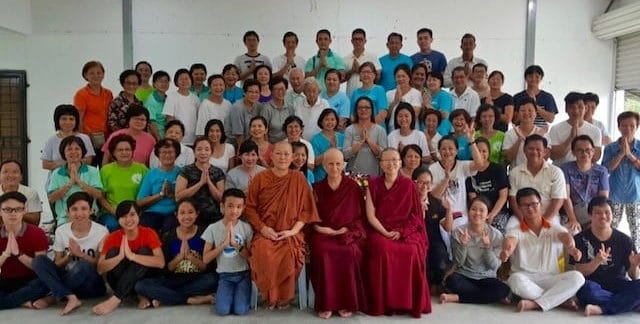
[(173, 34), (16, 15)]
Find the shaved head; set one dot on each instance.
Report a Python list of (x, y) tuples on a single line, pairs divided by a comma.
[(333, 162)]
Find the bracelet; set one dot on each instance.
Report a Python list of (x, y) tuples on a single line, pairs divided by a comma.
[(471, 143)]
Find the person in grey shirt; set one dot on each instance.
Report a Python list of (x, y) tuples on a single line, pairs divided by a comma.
[(243, 110), (276, 111)]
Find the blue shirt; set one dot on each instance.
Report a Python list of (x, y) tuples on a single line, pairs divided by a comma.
[(435, 61), (339, 102), (464, 153), (389, 64), (233, 95), (543, 99), (152, 184), (320, 145), (376, 94), (585, 185), (624, 181)]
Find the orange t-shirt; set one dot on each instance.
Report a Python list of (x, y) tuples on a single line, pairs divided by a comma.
[(94, 107)]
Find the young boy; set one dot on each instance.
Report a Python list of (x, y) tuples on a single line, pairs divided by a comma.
[(227, 241)]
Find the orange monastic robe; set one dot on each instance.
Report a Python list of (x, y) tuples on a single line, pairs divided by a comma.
[(278, 202)]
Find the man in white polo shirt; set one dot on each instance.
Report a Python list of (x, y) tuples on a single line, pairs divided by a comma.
[(543, 176), (534, 248), (561, 135), (463, 96), (310, 108)]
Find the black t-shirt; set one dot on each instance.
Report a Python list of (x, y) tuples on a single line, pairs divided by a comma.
[(434, 214), (504, 100), (618, 263), (488, 183)]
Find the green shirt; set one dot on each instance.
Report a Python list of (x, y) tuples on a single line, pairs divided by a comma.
[(122, 183), (495, 146), (143, 94), (333, 62), (60, 177), (204, 93)]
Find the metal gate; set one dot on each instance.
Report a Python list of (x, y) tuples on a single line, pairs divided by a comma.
[(13, 118)]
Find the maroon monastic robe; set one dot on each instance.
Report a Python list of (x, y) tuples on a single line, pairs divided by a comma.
[(395, 270), (336, 261)]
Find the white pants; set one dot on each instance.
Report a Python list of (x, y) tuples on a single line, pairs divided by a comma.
[(547, 290)]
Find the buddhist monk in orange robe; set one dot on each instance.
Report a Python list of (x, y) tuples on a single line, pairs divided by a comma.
[(279, 204)]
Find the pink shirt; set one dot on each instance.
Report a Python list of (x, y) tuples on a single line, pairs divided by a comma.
[(144, 145)]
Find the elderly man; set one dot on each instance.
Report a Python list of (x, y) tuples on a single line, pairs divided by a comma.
[(607, 258), (310, 108), (536, 246), (296, 83), (336, 255)]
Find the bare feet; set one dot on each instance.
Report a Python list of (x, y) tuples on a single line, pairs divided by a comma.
[(199, 300), (271, 306), (44, 302), (73, 303), (570, 304), (107, 306), (592, 310), (449, 298), (345, 313), (527, 305), (324, 315), (506, 300), (283, 305), (143, 302), (155, 303)]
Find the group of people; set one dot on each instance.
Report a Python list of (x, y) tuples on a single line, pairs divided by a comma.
[(407, 188)]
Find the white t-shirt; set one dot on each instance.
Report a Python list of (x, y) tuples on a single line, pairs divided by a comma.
[(309, 115), (223, 161), (185, 158), (34, 204), (456, 191), (89, 244), (354, 81), (416, 137), (413, 97), (279, 61), (210, 110), (229, 259), (510, 139), (560, 132), (184, 109)]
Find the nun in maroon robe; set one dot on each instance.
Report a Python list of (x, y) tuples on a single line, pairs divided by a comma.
[(396, 246), (336, 254)]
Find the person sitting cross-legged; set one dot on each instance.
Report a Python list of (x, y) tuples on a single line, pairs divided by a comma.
[(607, 258), (536, 244)]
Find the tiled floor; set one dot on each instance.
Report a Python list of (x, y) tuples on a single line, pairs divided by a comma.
[(449, 313)]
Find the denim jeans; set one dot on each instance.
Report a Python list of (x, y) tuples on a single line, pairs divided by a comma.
[(619, 297), (80, 278), (234, 293), (176, 289), (16, 292), (161, 222)]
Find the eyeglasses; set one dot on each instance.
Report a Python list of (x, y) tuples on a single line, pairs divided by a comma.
[(9, 210), (530, 205)]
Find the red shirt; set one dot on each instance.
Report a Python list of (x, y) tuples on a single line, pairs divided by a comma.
[(31, 239), (146, 238)]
